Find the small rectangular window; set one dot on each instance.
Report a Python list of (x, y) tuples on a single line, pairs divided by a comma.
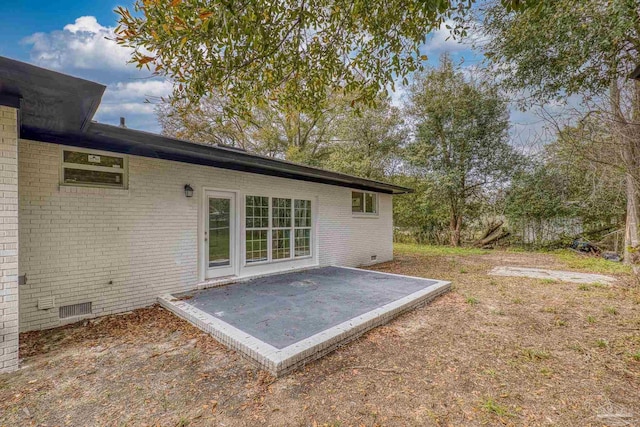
[(366, 203), (93, 169)]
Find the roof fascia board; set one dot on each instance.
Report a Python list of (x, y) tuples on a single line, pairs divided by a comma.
[(247, 159), (93, 141)]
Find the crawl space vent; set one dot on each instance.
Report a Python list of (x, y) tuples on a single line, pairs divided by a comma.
[(46, 303), (75, 310), (374, 257)]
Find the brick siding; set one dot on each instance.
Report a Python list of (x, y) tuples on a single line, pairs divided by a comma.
[(8, 239), (121, 249)]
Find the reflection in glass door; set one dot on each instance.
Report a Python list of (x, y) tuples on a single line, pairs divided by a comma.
[(219, 232), (219, 238)]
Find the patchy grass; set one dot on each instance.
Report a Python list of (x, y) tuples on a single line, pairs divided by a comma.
[(472, 300), (611, 310), (493, 407), (528, 354), (432, 250), (535, 354), (589, 263)]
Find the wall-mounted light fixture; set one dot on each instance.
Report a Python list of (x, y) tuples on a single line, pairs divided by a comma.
[(188, 190)]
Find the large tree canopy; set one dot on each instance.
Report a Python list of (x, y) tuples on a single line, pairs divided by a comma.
[(301, 135), (289, 51), (587, 48), (563, 47), (461, 137), (369, 144)]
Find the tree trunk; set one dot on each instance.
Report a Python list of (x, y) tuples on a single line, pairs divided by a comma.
[(629, 140), (455, 226), (493, 234), (631, 240)]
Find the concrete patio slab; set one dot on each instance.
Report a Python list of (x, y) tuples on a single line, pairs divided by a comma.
[(564, 276), (284, 321)]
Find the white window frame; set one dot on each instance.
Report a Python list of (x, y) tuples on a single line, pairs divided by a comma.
[(271, 228), (364, 212), (124, 170), (245, 228), (294, 228)]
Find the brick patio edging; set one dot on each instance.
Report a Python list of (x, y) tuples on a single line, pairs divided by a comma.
[(281, 361)]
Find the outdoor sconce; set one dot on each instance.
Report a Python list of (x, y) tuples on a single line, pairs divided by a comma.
[(188, 190)]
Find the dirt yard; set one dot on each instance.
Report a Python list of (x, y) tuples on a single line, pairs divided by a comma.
[(494, 351)]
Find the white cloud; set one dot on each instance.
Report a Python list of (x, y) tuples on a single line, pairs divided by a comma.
[(83, 45), (153, 88), (84, 23), (134, 100), (86, 48), (442, 40)]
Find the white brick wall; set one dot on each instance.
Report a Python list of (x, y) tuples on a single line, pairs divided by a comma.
[(121, 249), (8, 239)]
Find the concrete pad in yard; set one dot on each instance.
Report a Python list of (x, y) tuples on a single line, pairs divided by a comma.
[(286, 320), (564, 276)]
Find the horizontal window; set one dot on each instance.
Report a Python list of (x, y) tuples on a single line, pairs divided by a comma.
[(89, 168), (82, 158), (365, 203), (88, 177)]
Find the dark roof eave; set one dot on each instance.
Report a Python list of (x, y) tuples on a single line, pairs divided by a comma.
[(50, 99), (128, 141), (58, 108)]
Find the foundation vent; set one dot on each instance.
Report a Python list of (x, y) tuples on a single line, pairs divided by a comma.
[(75, 310), (374, 257), (46, 303)]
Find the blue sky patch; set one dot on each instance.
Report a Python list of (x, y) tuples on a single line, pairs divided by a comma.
[(73, 37)]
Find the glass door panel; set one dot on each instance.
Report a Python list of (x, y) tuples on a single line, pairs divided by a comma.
[(219, 232)]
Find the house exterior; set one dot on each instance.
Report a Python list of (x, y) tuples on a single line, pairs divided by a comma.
[(99, 219)]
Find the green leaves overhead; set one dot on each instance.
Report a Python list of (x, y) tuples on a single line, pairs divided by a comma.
[(369, 144), (290, 51), (564, 47)]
